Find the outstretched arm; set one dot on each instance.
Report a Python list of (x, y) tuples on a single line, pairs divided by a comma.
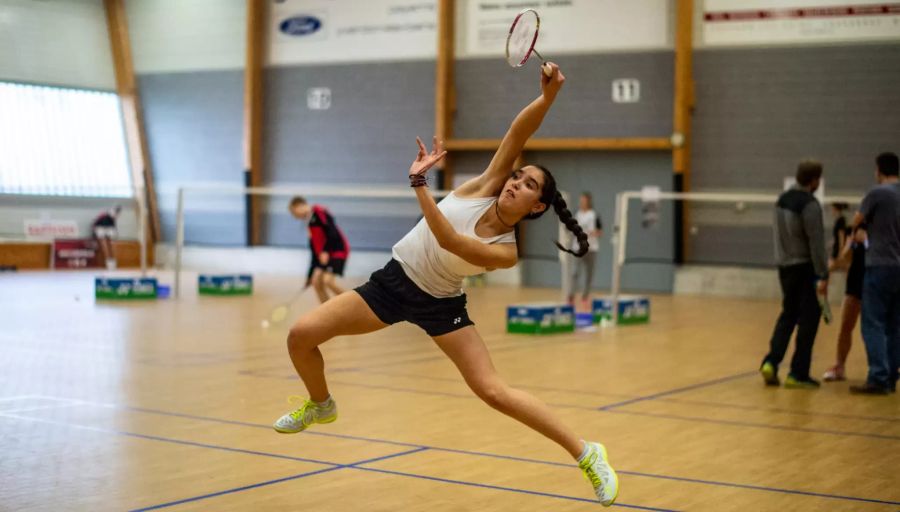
[(467, 248), (521, 129)]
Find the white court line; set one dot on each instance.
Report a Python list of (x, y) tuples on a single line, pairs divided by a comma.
[(20, 397), (55, 406)]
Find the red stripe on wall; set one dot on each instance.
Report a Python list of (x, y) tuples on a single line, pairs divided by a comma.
[(804, 12)]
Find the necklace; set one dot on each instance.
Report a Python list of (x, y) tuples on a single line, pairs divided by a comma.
[(497, 211)]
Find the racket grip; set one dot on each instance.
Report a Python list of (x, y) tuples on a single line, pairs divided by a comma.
[(546, 69)]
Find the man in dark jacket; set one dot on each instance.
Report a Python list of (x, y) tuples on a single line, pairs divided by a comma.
[(803, 273)]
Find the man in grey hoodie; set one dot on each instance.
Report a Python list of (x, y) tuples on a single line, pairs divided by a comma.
[(803, 273)]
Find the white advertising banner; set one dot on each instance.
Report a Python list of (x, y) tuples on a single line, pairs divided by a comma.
[(567, 26), (43, 229), (765, 22), (333, 31)]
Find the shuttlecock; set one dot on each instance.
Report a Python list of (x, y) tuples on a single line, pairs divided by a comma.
[(265, 324)]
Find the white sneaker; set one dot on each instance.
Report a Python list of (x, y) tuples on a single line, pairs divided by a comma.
[(596, 468), (306, 415)]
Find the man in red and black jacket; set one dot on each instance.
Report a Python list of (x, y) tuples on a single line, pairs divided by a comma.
[(328, 244)]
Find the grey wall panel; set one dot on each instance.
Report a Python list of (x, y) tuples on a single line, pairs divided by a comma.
[(194, 124), (490, 94), (367, 136), (603, 175), (759, 111)]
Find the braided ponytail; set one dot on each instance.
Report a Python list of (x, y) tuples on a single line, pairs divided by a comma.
[(565, 216), (550, 196)]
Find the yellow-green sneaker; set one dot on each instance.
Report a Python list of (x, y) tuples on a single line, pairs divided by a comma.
[(595, 466), (769, 374), (792, 382), (309, 412)]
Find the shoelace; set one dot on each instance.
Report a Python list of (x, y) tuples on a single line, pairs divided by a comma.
[(591, 473), (300, 414)]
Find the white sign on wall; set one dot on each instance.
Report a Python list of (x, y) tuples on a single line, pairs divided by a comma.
[(626, 90), (45, 229), (567, 26), (328, 31), (318, 98), (761, 22)]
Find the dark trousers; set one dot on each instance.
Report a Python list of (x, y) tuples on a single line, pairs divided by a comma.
[(800, 309), (881, 324)]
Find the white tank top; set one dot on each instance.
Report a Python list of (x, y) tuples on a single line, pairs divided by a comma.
[(438, 271)]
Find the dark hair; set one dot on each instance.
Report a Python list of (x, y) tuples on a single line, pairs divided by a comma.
[(550, 196), (841, 207), (808, 171), (888, 164), (296, 200)]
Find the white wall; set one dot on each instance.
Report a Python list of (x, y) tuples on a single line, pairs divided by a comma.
[(15, 210), (798, 22), (187, 35), (58, 42)]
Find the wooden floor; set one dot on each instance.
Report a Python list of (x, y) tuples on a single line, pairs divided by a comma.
[(168, 405)]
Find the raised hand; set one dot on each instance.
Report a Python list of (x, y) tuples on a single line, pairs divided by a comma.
[(425, 160), (550, 85)]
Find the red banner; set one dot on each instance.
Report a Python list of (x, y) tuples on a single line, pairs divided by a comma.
[(74, 253)]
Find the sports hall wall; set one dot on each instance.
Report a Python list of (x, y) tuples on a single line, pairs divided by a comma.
[(77, 56), (764, 99)]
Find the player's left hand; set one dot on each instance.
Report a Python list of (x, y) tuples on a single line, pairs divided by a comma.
[(425, 160), (323, 258)]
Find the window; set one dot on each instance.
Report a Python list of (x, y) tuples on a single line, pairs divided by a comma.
[(62, 142)]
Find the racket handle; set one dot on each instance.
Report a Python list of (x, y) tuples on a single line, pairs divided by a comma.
[(546, 69)]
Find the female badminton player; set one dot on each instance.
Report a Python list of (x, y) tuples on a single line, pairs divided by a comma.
[(470, 232)]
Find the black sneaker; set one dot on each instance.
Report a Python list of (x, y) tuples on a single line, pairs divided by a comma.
[(792, 382), (869, 389)]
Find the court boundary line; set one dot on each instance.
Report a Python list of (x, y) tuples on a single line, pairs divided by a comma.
[(733, 423), (437, 448), (675, 391), (333, 467)]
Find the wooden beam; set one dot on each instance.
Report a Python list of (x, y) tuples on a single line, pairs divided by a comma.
[(683, 87), (681, 122), (253, 114), (127, 89), (444, 90), (566, 144)]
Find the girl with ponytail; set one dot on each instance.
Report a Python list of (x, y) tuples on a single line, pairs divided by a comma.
[(472, 231)]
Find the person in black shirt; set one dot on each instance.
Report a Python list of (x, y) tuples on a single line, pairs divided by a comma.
[(328, 245), (853, 254), (103, 229)]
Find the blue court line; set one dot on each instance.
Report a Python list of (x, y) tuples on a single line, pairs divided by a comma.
[(508, 489), (650, 414), (168, 440), (272, 482), (678, 390), (237, 489), (520, 459), (758, 425), (761, 488), (335, 466), (780, 410), (421, 447), (707, 403), (460, 379)]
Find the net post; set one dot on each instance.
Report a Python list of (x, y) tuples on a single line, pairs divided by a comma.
[(142, 228), (621, 235), (179, 240)]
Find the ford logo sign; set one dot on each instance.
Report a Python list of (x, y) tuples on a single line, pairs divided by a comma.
[(300, 25)]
